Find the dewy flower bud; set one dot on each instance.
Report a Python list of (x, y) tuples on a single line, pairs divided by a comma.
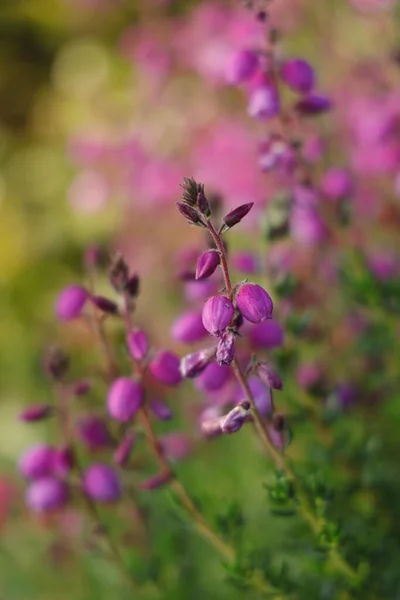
[(254, 303), (226, 348), (218, 312), (101, 482), (264, 102), (37, 461), (299, 75), (93, 431), (242, 66), (269, 375), (234, 420), (188, 328), (207, 263), (124, 449), (138, 344), (165, 367), (46, 494), (70, 302), (160, 410), (236, 215), (104, 304), (193, 364), (124, 399), (38, 412)]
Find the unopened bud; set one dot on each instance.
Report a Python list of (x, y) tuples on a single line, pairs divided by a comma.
[(207, 263), (191, 214), (104, 304), (234, 420), (236, 215), (193, 364), (226, 348), (38, 412)]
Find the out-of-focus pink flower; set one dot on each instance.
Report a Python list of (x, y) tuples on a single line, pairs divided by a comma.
[(89, 192)]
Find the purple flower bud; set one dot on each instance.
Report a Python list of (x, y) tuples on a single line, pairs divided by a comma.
[(46, 494), (218, 312), (93, 431), (299, 75), (191, 214), (132, 286), (176, 446), (207, 263), (101, 482), (210, 422), (262, 396), (314, 104), (236, 215), (124, 449), (124, 399), (80, 388), (203, 205), (37, 412), (264, 102), (337, 183), (226, 348), (64, 461), (37, 461), (245, 262), (104, 304), (254, 303), (189, 328), (277, 432), (234, 420), (193, 364), (213, 378), (156, 481), (269, 375), (70, 302), (268, 334), (165, 367), (138, 344), (160, 410), (242, 66)]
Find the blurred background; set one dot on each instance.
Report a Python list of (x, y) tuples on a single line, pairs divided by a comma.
[(105, 105)]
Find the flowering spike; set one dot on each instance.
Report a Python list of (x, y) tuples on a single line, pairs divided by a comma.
[(226, 348), (125, 397), (236, 215), (254, 303), (101, 482), (207, 263), (218, 312)]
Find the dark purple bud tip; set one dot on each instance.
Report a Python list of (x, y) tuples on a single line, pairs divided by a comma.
[(38, 412), (165, 367), (138, 344), (156, 481), (160, 410), (314, 104), (37, 461), (299, 75), (124, 449), (207, 263), (191, 214), (47, 494), (254, 303), (104, 304), (193, 364), (132, 286), (64, 461), (124, 399), (236, 215), (56, 363), (218, 312), (204, 205), (81, 388), (101, 482), (269, 375), (118, 274), (190, 191), (226, 348), (70, 302), (234, 420)]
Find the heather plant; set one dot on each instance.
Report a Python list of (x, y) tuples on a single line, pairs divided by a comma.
[(253, 451)]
